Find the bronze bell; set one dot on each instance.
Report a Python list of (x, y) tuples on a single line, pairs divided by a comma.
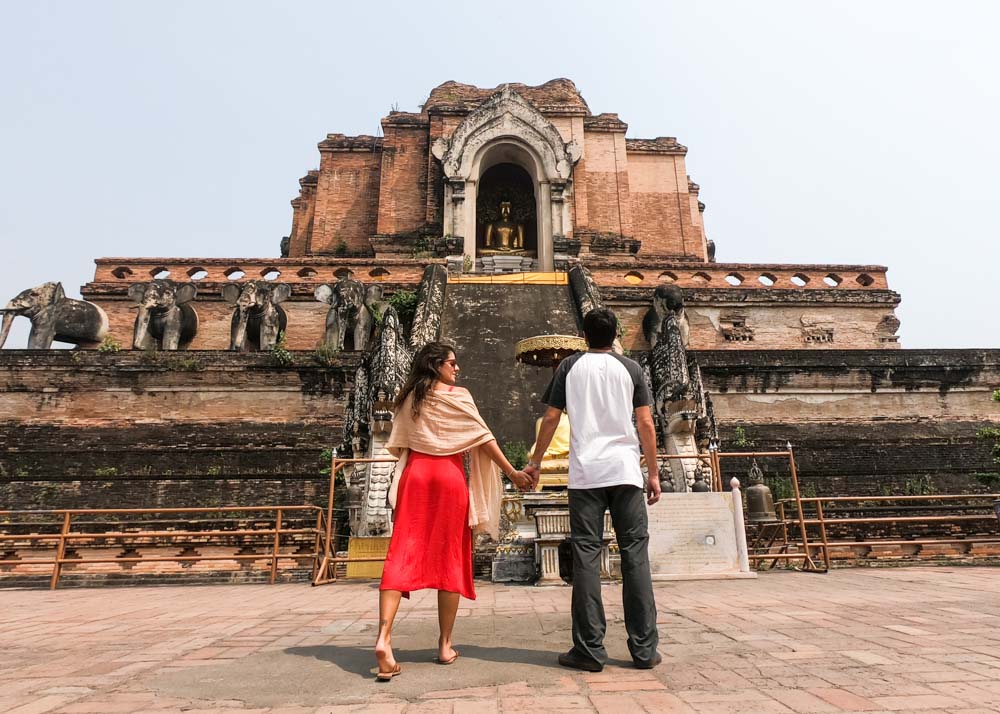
[(699, 485), (760, 502)]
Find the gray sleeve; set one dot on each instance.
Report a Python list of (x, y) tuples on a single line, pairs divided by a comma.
[(555, 393)]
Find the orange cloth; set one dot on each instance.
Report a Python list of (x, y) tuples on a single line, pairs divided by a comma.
[(449, 423)]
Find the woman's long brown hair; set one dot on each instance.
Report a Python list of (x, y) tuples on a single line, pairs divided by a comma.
[(423, 374)]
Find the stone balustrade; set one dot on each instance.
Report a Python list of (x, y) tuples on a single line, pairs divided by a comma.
[(760, 276), (288, 270)]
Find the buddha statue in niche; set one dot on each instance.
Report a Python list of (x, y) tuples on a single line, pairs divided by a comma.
[(505, 234)]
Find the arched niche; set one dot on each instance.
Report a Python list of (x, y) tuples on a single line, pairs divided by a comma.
[(506, 129)]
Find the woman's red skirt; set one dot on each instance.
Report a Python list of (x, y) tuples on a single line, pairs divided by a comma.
[(431, 545)]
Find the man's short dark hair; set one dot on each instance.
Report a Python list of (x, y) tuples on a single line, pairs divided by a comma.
[(600, 327)]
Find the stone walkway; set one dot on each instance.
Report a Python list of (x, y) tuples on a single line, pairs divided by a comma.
[(879, 640)]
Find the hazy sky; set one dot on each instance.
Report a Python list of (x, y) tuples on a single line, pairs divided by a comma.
[(820, 132)]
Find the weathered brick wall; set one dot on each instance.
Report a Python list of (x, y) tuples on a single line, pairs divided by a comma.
[(346, 197), (86, 429), (303, 214), (402, 202), (661, 206), (603, 170), (862, 422)]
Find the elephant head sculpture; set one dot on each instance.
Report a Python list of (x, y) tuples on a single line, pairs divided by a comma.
[(258, 318), (165, 320), (349, 316), (55, 317), (667, 300)]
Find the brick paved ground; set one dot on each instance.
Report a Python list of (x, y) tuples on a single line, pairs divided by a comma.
[(885, 640)]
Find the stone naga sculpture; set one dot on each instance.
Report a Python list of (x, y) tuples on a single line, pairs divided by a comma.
[(55, 317), (258, 318), (165, 321), (348, 314), (675, 404)]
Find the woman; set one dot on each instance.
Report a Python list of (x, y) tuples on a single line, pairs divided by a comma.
[(434, 424)]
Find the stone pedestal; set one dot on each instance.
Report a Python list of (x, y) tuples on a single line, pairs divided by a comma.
[(500, 263), (697, 536)]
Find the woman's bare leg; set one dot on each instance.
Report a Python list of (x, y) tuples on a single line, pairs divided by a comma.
[(388, 604), (447, 611)]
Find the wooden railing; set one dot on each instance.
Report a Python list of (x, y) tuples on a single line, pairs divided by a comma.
[(65, 519)]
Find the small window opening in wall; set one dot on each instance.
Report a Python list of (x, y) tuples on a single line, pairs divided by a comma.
[(341, 273), (234, 273), (667, 277), (701, 277), (864, 280), (833, 280), (767, 279), (378, 274), (307, 273), (121, 272), (800, 279), (820, 336), (197, 273), (634, 277), (270, 273), (160, 273), (735, 279)]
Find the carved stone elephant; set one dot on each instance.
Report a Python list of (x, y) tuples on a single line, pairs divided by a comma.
[(55, 317), (165, 320), (258, 318), (349, 321)]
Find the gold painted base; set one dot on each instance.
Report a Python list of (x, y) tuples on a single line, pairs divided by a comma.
[(366, 547)]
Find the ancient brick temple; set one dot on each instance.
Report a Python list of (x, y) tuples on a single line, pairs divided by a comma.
[(508, 211)]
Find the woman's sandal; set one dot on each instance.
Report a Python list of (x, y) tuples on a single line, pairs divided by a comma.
[(446, 661), (381, 676)]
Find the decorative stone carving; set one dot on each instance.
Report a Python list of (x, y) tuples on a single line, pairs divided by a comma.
[(507, 128), (348, 314), (887, 328), (165, 321), (430, 306), (585, 291), (258, 317), (55, 317)]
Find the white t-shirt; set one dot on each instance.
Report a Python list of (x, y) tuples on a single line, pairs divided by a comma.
[(600, 392)]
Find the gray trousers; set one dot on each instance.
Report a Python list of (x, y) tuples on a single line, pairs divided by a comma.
[(586, 519)]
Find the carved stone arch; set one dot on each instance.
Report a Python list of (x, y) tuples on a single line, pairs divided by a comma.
[(506, 121)]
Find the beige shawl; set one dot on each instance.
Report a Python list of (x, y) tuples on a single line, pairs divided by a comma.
[(449, 423)]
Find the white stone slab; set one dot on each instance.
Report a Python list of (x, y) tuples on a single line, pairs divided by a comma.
[(694, 536)]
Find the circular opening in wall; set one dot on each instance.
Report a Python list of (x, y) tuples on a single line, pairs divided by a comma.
[(160, 273), (307, 273), (833, 280), (341, 273), (634, 277), (197, 273), (667, 277), (121, 272), (767, 279), (800, 279), (865, 280), (701, 277), (734, 279), (378, 274), (234, 274), (270, 273)]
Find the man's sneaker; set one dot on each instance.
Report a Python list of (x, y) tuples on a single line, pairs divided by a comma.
[(657, 659), (574, 661)]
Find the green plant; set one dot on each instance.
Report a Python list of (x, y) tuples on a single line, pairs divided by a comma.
[(991, 479), (213, 470), (516, 453), (404, 302), (185, 364), (280, 353), (919, 486), (621, 329), (21, 473), (109, 345), (781, 487), (423, 246), (467, 263), (341, 248), (76, 357), (105, 471), (324, 355), (741, 440)]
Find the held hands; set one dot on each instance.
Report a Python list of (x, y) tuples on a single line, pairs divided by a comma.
[(522, 480), (534, 473)]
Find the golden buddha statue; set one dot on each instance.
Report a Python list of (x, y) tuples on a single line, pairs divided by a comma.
[(505, 234), (555, 462)]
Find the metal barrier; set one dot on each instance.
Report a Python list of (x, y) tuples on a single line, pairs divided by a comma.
[(64, 519), (821, 516)]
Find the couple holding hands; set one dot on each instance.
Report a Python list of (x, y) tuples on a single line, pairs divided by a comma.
[(440, 499)]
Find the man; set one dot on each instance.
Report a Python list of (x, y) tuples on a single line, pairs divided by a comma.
[(601, 391)]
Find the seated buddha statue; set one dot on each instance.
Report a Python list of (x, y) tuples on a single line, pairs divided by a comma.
[(505, 234), (555, 462)]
